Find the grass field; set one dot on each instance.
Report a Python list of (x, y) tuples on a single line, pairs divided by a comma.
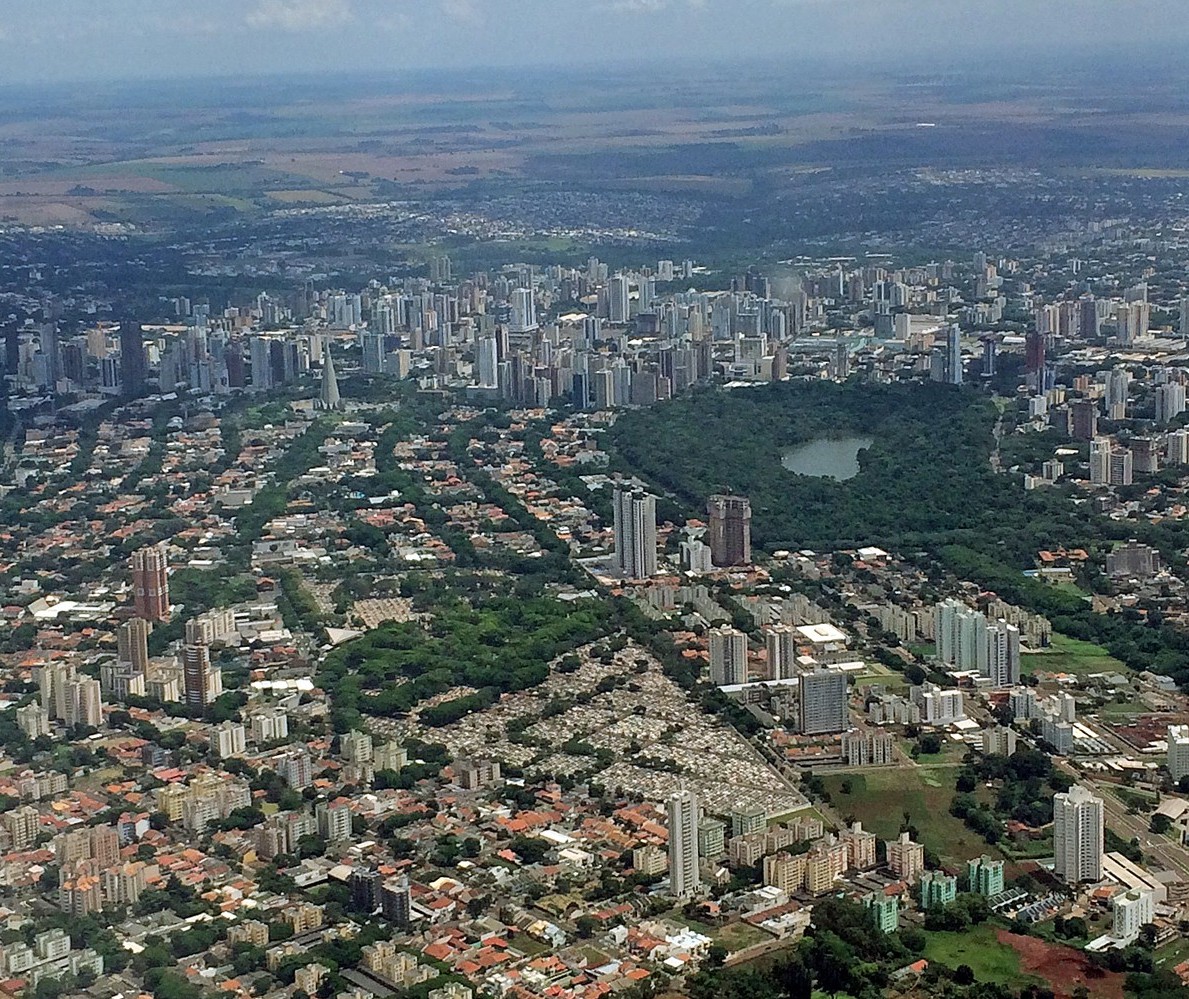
[(879, 800), (977, 947), (740, 936), (1071, 655)]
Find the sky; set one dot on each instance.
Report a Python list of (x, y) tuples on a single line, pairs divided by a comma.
[(56, 40)]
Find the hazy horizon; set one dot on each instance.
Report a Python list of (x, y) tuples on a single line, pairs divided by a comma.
[(160, 39)]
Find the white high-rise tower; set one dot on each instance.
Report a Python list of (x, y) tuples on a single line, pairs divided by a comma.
[(635, 533), (1077, 835), (682, 811)]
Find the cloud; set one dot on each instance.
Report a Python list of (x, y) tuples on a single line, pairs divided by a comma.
[(652, 6), (461, 11), (300, 15)]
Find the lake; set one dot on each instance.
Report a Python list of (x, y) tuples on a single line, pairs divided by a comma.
[(827, 457)]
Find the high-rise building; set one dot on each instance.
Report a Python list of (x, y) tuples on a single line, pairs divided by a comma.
[(985, 876), (150, 583), (730, 530), (523, 311), (953, 355), (132, 643), (1121, 466), (937, 889), (197, 675), (1100, 461), (906, 859), (684, 875), (132, 361), (635, 533), (822, 708), (1003, 654), (1178, 751), (1176, 448), (728, 657), (1077, 835), (961, 634), (396, 900), (782, 651), (229, 739), (1170, 401), (618, 300), (1084, 419)]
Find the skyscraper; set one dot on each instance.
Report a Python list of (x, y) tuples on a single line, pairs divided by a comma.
[(682, 811), (1100, 461), (1003, 654), (524, 311), (1077, 835), (203, 683), (618, 300), (150, 583), (132, 363), (961, 635), (635, 533), (132, 643), (782, 651), (953, 355), (730, 530), (822, 707), (728, 657)]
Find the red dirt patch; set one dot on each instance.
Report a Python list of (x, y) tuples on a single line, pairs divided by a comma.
[(1063, 967)]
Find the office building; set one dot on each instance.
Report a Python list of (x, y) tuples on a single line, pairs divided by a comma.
[(150, 583), (728, 657), (132, 360), (823, 707), (635, 533), (523, 311), (985, 876), (618, 300), (1003, 655), (730, 530), (684, 875), (1077, 835), (1084, 419)]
